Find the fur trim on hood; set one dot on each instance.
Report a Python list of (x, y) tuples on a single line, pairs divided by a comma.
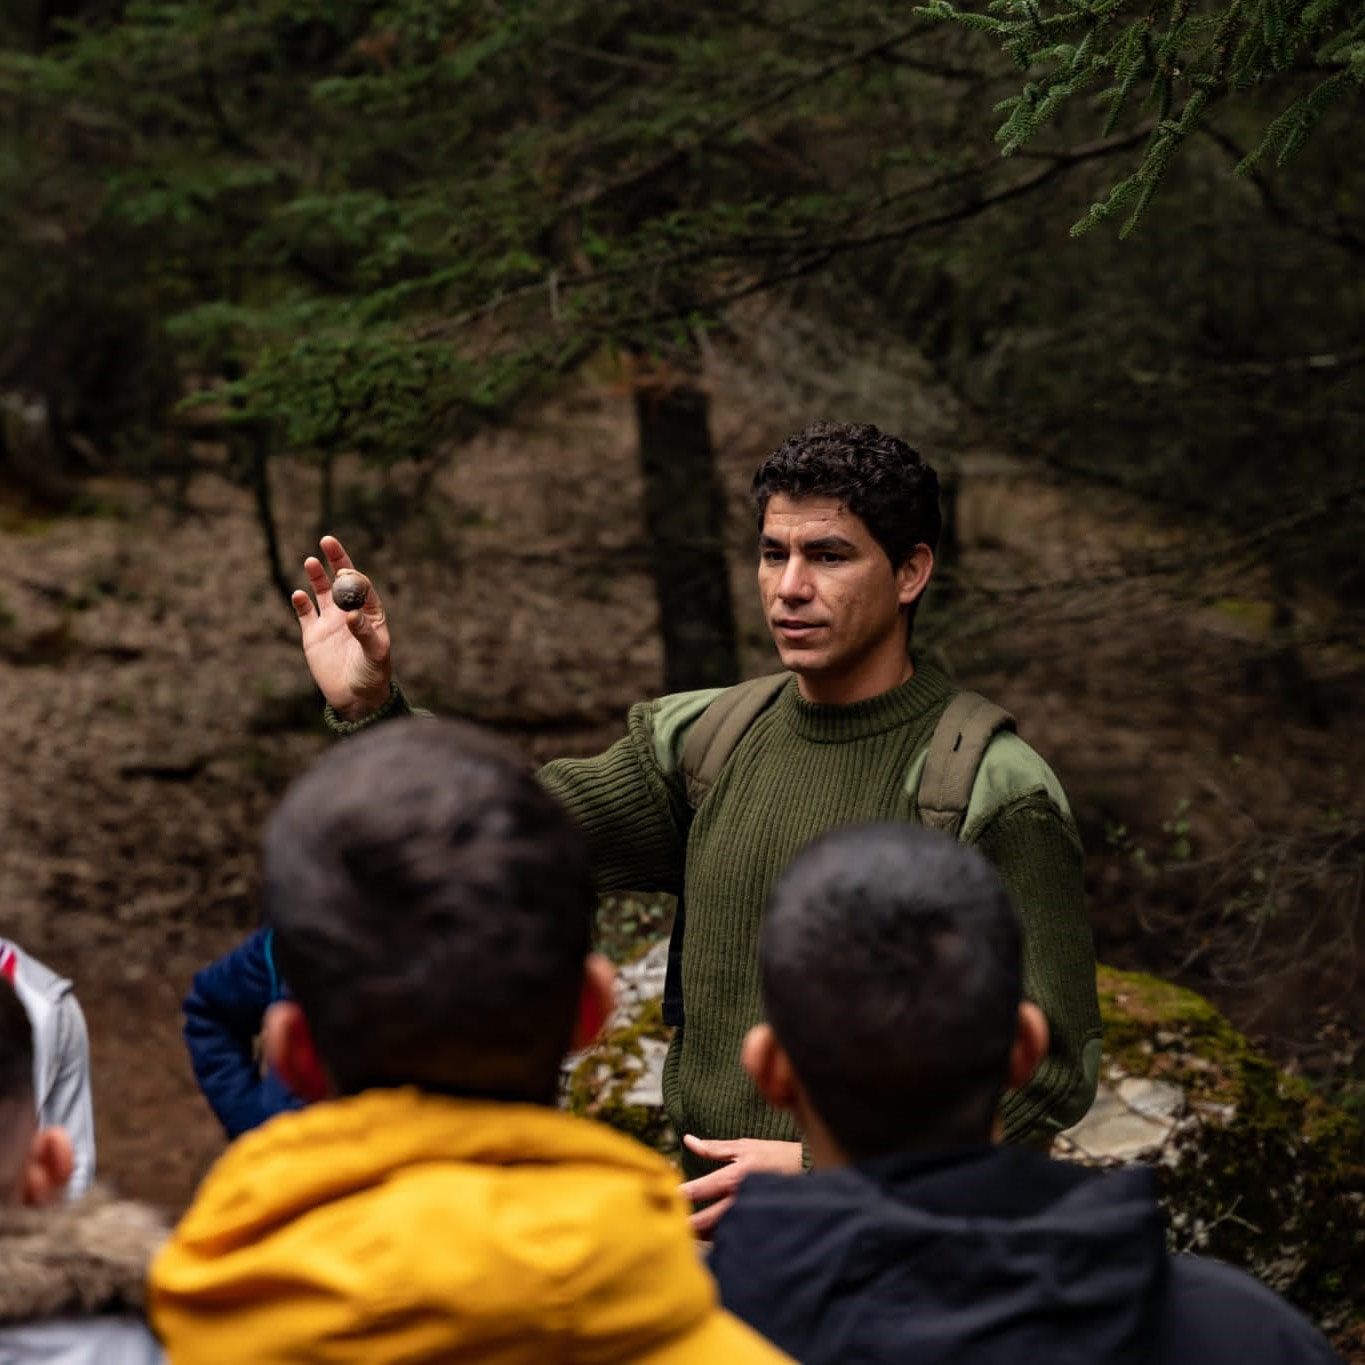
[(74, 1260)]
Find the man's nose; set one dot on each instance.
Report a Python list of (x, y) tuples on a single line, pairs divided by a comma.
[(795, 584)]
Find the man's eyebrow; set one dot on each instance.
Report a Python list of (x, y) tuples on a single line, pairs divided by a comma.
[(827, 543), (771, 542)]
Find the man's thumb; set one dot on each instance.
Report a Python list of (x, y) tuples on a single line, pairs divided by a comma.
[(707, 1147), (360, 625)]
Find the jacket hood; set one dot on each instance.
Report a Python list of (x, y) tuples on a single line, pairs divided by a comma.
[(398, 1225), (991, 1255), (75, 1260)]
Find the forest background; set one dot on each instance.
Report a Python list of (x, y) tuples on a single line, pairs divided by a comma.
[(513, 297)]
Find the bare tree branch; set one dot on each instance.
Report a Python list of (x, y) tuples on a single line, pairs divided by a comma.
[(1339, 234), (773, 97)]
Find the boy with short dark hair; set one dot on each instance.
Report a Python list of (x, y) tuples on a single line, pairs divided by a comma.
[(71, 1274), (432, 909), (891, 973)]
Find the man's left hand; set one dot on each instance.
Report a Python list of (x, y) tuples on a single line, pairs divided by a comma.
[(740, 1155)]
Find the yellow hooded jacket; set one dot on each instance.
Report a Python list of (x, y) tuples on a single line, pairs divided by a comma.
[(402, 1226)]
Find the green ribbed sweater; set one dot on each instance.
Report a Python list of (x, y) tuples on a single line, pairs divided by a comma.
[(799, 770)]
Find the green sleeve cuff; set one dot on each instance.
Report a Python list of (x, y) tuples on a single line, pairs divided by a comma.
[(397, 705)]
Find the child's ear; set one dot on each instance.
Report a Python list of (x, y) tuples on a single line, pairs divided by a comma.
[(289, 1050), (597, 999), (1031, 1040), (51, 1160), (769, 1067)]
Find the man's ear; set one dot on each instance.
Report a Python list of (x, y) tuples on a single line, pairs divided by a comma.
[(290, 1052), (1031, 1039), (596, 1000), (913, 575), (51, 1160), (770, 1069)]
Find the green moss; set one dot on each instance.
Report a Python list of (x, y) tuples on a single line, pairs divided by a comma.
[(628, 925), (598, 1085), (1154, 1028), (1276, 1183), (1256, 617)]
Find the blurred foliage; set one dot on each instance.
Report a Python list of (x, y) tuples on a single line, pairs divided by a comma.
[(1175, 61), (375, 226), (1273, 1182), (372, 225), (1211, 364)]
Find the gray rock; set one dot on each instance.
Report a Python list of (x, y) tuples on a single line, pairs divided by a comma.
[(639, 982), (1132, 1118), (1115, 1130), (1158, 1100), (649, 1088)]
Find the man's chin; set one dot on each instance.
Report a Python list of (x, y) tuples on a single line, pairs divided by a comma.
[(801, 660)]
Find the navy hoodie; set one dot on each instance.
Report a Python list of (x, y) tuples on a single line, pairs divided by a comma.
[(223, 1013), (988, 1256)]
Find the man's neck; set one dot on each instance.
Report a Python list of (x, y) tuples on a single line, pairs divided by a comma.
[(887, 666), (872, 677)]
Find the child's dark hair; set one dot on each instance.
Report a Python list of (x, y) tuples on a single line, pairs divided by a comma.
[(17, 1111), (891, 970), (432, 907), (16, 1049), (877, 477)]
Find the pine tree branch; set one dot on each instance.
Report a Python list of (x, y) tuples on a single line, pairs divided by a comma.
[(821, 41), (822, 253), (1058, 163), (1338, 235), (625, 60), (813, 255), (774, 97), (1317, 363), (228, 135)]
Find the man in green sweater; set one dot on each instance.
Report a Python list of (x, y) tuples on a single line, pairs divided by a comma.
[(848, 521)]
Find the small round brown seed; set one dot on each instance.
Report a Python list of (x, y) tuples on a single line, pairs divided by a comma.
[(350, 588)]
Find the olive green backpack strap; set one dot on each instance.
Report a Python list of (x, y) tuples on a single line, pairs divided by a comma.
[(713, 737), (968, 724), (716, 733)]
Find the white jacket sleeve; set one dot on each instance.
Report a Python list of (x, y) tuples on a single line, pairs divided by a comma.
[(80, 1341), (66, 1101)]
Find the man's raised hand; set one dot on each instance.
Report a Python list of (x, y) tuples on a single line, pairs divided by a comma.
[(348, 652)]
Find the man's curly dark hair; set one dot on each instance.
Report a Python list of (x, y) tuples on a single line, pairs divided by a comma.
[(877, 477)]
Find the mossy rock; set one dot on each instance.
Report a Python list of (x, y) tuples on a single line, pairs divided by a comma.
[(1267, 1175), (1261, 1171), (605, 1082)]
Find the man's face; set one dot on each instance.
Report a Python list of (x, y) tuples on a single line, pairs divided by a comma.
[(832, 599)]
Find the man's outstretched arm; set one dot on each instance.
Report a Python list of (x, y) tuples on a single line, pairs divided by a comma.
[(1037, 852), (632, 813), (634, 818)]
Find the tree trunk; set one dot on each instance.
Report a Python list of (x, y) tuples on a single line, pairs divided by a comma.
[(685, 526), (327, 507), (1298, 689), (258, 473), (32, 461)]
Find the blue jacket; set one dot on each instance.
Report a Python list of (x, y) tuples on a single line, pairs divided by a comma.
[(223, 1014)]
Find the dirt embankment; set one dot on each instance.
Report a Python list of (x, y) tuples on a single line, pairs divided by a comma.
[(149, 721)]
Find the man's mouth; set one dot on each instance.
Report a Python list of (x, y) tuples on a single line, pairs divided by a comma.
[(795, 629)]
